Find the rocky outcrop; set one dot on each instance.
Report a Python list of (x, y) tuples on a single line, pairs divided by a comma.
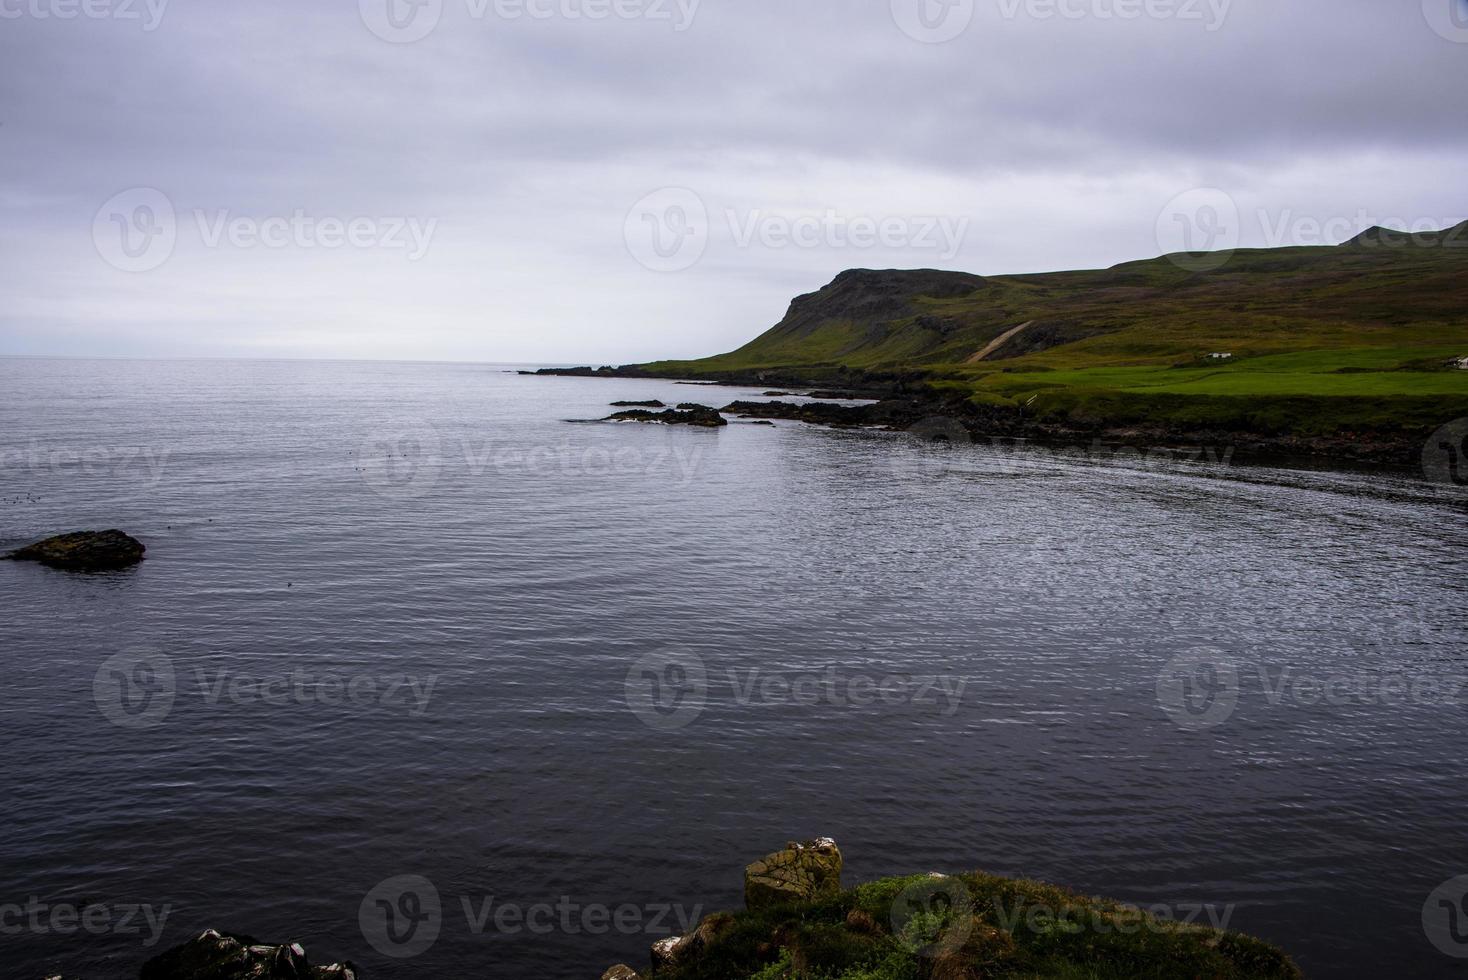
[(798, 873), (686, 414), (84, 551), (653, 403), (941, 927), (894, 412), (676, 950), (218, 956), (871, 296), (621, 972)]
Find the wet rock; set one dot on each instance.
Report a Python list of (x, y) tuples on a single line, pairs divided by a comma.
[(687, 414), (218, 956), (654, 403), (84, 551), (799, 873), (893, 413)]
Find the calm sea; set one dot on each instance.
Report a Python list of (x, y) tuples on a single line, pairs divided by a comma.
[(423, 675)]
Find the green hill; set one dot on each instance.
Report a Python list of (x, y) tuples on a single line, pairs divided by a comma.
[(1357, 337)]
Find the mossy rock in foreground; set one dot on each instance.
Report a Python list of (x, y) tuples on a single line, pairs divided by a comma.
[(964, 927)]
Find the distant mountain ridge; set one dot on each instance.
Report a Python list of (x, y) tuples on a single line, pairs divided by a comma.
[(1147, 312), (1355, 352), (1378, 235)]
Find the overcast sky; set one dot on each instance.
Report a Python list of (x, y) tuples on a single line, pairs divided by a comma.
[(528, 181)]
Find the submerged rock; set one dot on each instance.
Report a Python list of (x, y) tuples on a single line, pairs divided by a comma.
[(217, 956), (84, 551), (687, 414), (799, 873)]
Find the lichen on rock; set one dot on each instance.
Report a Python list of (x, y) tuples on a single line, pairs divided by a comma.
[(799, 873)]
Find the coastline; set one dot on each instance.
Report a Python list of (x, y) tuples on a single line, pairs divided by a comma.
[(905, 400)]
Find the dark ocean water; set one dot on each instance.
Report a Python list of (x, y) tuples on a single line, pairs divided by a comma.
[(1221, 690)]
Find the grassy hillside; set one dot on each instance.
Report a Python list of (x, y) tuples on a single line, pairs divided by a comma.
[(1355, 336)]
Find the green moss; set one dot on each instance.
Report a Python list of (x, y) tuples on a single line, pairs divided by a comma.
[(999, 928)]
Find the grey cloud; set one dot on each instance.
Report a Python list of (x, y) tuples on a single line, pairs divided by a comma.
[(529, 140)]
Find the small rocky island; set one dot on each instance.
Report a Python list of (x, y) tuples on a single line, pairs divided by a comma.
[(83, 551), (688, 413), (799, 922)]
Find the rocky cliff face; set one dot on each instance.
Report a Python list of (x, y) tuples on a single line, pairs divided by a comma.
[(872, 297)]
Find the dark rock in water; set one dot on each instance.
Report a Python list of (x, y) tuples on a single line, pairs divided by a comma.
[(693, 407), (777, 394), (605, 371), (219, 956), (648, 404), (84, 551), (895, 413), (834, 395), (799, 873), (696, 415)]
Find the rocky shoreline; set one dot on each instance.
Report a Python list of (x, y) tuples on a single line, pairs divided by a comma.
[(799, 920), (905, 403)]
